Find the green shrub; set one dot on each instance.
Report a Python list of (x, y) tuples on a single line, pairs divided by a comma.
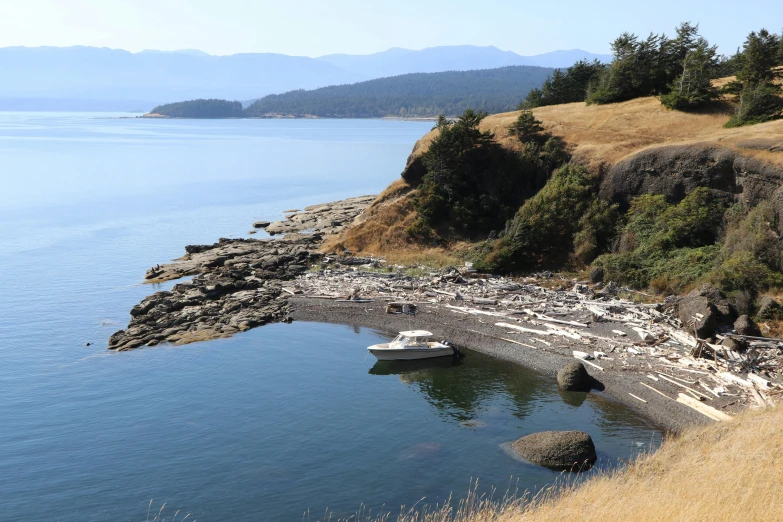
[(596, 230), (743, 272), (664, 246), (472, 184), (624, 268), (757, 104), (542, 231)]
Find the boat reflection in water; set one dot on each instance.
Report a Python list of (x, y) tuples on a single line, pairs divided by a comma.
[(406, 367)]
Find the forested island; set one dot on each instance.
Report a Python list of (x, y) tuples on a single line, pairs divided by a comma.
[(201, 108), (409, 95), (406, 96)]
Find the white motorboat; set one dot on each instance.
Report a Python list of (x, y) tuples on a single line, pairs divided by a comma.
[(410, 345)]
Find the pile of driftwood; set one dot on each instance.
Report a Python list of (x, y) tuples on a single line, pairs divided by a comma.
[(609, 331)]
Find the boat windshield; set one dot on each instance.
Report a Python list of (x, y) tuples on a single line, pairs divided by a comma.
[(402, 340)]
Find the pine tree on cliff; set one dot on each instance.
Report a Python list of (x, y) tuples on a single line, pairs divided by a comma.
[(759, 99)]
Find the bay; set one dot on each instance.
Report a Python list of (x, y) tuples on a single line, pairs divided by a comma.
[(269, 425)]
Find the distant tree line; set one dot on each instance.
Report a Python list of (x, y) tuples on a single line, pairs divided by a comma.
[(409, 95), (201, 108), (679, 70)]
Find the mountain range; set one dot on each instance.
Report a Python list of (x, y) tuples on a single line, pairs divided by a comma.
[(92, 78)]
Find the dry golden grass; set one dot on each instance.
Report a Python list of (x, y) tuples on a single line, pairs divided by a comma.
[(605, 134), (722, 472)]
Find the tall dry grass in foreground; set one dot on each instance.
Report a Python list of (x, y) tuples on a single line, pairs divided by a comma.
[(722, 472)]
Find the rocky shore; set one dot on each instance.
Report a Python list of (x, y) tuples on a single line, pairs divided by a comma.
[(237, 283), (636, 353)]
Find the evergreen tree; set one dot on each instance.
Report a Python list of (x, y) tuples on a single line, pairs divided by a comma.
[(759, 99), (526, 128), (760, 54), (693, 86), (564, 87)]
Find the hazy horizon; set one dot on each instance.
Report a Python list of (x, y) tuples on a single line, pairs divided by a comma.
[(205, 53), (315, 28)]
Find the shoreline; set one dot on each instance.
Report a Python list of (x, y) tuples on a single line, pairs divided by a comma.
[(241, 284), (469, 332)]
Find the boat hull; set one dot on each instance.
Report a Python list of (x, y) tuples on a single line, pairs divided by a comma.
[(409, 354)]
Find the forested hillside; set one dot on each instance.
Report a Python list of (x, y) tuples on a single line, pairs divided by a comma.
[(200, 109), (421, 94)]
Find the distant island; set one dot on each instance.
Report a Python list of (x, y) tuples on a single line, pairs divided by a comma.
[(416, 95), (201, 108)]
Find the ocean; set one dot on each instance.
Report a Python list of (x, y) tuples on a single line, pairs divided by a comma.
[(284, 422)]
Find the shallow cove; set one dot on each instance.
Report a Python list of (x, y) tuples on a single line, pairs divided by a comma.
[(262, 426), (285, 419)]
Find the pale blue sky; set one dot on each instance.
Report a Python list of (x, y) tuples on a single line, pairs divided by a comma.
[(314, 28)]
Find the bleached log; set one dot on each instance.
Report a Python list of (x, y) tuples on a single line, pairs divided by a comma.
[(707, 411), (761, 381), (637, 398), (665, 378), (683, 338), (473, 311), (733, 379), (659, 392), (591, 364), (552, 320), (526, 330), (517, 342)]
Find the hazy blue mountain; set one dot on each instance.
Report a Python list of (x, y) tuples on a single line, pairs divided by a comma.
[(90, 73), (76, 78), (452, 58)]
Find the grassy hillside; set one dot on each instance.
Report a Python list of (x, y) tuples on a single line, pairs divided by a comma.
[(597, 136), (660, 199), (421, 95)]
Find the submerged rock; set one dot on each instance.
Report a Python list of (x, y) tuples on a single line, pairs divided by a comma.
[(561, 450), (573, 377)]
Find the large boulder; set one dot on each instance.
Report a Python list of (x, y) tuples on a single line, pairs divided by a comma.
[(744, 325), (727, 313), (573, 377), (707, 308), (597, 275), (769, 309), (569, 450), (697, 313)]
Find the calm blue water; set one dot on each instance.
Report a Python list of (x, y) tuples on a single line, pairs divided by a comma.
[(266, 425)]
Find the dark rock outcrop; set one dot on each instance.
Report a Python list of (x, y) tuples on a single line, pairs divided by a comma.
[(327, 218), (673, 171), (676, 170), (414, 170), (574, 377), (706, 308), (237, 287), (744, 325), (561, 450), (597, 275), (738, 345), (699, 315), (769, 309)]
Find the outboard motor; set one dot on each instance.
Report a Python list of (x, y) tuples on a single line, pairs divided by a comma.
[(457, 352)]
